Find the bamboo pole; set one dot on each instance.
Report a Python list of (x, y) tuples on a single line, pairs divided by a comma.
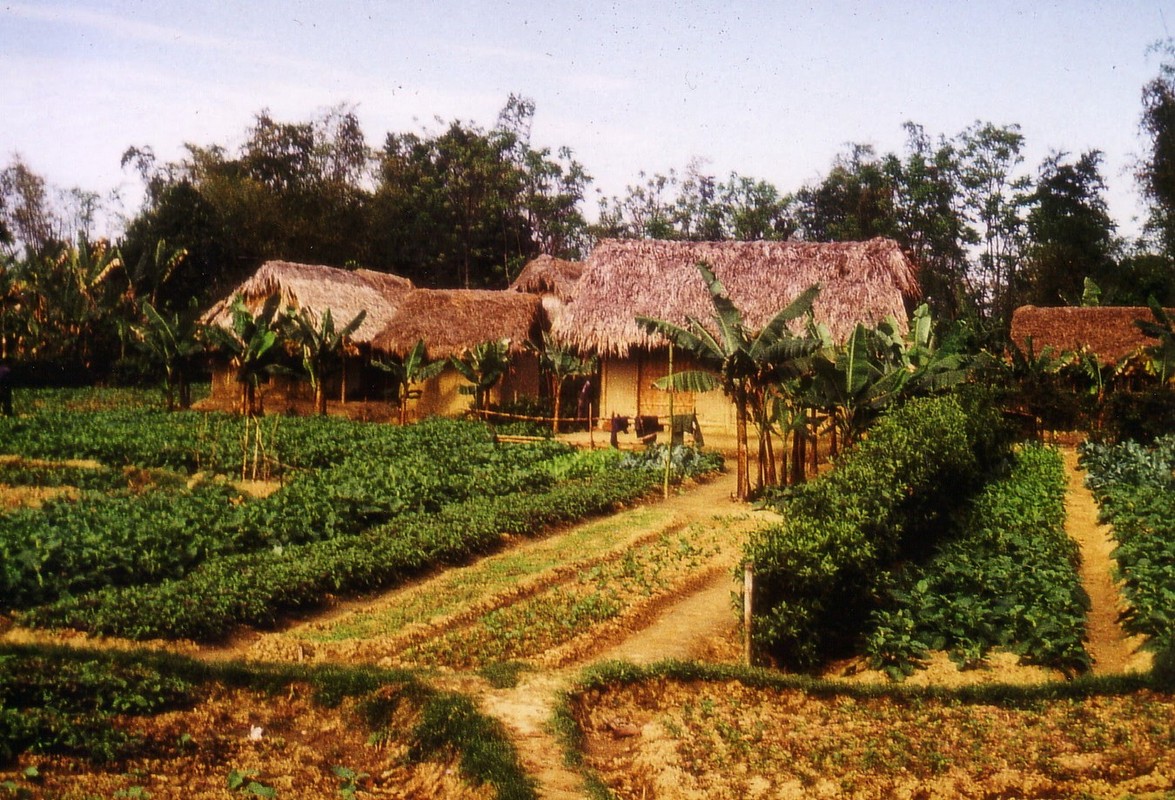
[(669, 446)]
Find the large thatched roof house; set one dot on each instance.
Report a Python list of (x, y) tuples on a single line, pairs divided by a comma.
[(1109, 332), (315, 288), (451, 321), (623, 279)]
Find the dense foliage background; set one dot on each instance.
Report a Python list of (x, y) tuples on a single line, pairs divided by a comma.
[(467, 206)]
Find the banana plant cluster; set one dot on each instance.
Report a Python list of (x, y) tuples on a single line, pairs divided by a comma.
[(789, 383), (256, 345)]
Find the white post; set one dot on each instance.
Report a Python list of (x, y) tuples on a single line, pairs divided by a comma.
[(748, 591)]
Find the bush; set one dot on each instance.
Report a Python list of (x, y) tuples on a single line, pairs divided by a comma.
[(818, 574)]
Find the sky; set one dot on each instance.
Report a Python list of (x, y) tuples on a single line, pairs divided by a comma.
[(770, 90)]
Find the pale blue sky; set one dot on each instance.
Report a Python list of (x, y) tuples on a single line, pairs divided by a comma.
[(771, 90)]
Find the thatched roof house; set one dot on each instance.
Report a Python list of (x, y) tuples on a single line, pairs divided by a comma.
[(1108, 331), (317, 288), (452, 320), (623, 279), (547, 275)]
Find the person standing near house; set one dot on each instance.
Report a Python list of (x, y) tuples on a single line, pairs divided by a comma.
[(5, 389)]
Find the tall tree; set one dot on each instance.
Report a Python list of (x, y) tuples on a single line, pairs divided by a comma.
[(253, 345), (735, 357), (28, 216), (854, 202), (321, 345), (412, 369), (174, 342), (1070, 233), (995, 194), (929, 223), (483, 366), (1156, 173)]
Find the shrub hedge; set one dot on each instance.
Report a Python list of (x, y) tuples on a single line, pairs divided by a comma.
[(819, 573)]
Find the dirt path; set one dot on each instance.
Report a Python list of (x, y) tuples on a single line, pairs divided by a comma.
[(1111, 649), (702, 624)]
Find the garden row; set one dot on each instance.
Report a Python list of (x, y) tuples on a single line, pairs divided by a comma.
[(918, 540), (192, 441), (259, 589), (1007, 577), (164, 529), (1135, 486), (89, 706), (192, 559)]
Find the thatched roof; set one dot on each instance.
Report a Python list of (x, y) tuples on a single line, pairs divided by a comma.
[(317, 288), (1108, 331), (452, 320), (549, 275), (622, 279)]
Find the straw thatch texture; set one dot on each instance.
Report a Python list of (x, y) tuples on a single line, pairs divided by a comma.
[(549, 275), (452, 320), (622, 279), (316, 288), (1107, 331)]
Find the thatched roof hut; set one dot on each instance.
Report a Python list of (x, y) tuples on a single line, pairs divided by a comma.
[(547, 275), (622, 279), (1108, 331), (452, 320), (317, 288)]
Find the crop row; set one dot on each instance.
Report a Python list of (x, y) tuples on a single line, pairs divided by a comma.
[(206, 441), (260, 588), (1136, 488), (132, 537), (1007, 578), (818, 572)]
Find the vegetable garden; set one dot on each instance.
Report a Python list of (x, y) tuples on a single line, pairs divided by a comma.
[(937, 532)]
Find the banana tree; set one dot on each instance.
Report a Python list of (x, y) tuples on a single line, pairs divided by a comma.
[(321, 345), (877, 367), (173, 342), (414, 368), (483, 366), (1162, 354), (736, 359), (253, 346), (561, 364)]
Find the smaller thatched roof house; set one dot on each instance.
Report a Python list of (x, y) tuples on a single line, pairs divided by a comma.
[(1109, 332), (552, 279), (549, 275), (451, 321), (316, 288)]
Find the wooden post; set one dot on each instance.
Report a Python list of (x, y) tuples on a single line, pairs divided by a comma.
[(669, 445), (748, 593)]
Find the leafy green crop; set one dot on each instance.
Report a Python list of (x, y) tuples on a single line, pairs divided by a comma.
[(1136, 488), (1007, 578)]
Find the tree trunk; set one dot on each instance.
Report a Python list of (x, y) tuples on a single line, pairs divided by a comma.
[(741, 435), (320, 398), (558, 404)]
